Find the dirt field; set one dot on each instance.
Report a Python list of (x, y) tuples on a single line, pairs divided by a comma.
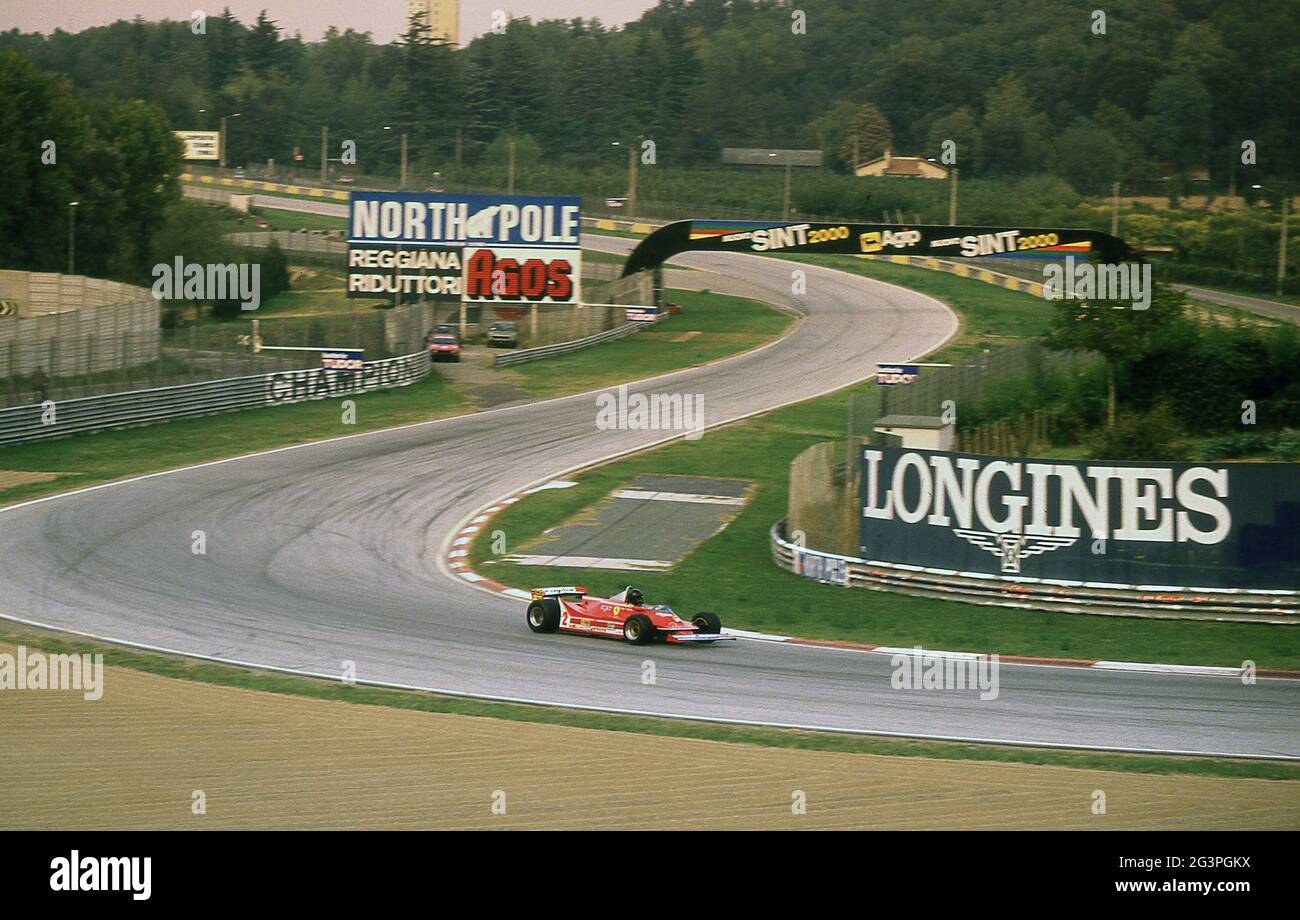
[(135, 759)]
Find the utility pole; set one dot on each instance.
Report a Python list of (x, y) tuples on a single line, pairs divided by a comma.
[(631, 181), (785, 204), (1281, 249), (1114, 209), (324, 152), (402, 183), (222, 143), (72, 237), (952, 200), (510, 167)]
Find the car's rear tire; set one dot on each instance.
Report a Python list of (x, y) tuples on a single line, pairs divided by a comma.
[(544, 615), (638, 630), (707, 622)]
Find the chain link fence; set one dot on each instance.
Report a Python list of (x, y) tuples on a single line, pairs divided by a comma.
[(825, 479), (948, 390)]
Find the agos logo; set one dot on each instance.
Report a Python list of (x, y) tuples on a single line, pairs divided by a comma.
[(488, 277), (876, 240)]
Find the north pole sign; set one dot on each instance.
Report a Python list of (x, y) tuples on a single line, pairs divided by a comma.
[(486, 248)]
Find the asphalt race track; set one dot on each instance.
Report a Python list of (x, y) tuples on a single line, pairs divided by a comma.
[(329, 552)]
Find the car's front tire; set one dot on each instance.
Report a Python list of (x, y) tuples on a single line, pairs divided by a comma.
[(707, 622), (544, 615), (638, 630)]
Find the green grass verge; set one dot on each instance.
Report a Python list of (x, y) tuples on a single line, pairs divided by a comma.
[(271, 682), (280, 219), (710, 326)]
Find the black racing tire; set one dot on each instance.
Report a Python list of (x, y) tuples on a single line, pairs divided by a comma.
[(707, 622), (638, 630), (544, 615)]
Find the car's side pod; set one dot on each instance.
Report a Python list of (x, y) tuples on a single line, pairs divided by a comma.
[(566, 591)]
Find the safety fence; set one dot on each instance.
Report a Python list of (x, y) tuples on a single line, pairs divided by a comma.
[(791, 551), (524, 355), (209, 350), (952, 390), (66, 325), (146, 407)]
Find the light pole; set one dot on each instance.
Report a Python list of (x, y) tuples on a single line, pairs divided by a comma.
[(952, 200), (785, 198), (1281, 246), (402, 182), (72, 236), (223, 136), (631, 178), (510, 164)]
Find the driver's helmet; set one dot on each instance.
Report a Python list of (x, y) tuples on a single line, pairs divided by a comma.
[(635, 597)]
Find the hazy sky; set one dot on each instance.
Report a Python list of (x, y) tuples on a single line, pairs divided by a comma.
[(383, 18)]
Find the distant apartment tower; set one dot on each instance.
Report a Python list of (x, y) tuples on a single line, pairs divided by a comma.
[(442, 16)]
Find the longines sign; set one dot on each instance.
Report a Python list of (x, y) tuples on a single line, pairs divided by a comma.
[(1225, 525)]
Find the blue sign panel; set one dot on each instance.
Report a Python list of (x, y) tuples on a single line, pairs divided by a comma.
[(888, 375), (348, 360)]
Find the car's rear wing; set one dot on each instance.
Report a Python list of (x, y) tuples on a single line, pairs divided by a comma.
[(568, 590)]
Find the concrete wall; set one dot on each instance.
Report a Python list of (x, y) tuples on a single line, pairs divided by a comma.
[(70, 325)]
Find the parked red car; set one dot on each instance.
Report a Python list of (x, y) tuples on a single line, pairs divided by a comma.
[(626, 614), (444, 348)]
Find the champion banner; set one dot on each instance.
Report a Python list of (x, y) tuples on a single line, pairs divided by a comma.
[(1221, 525), (873, 239)]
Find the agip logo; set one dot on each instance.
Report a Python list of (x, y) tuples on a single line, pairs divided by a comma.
[(877, 240)]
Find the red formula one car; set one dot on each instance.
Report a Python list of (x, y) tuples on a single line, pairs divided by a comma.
[(625, 614)]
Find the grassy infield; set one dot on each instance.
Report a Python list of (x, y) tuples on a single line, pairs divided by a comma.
[(732, 565)]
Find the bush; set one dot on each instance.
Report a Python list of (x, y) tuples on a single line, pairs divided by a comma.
[(1286, 446), (1154, 435), (1237, 444)]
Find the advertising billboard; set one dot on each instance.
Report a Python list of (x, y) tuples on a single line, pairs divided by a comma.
[(1214, 525), (201, 145), (872, 239), (484, 248)]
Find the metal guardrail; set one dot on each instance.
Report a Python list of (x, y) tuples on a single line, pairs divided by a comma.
[(51, 419), (966, 270), (525, 355), (1220, 604)]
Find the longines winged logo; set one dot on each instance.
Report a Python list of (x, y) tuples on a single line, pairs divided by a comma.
[(1013, 547)]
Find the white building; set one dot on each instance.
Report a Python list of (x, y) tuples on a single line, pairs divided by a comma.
[(442, 16)]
